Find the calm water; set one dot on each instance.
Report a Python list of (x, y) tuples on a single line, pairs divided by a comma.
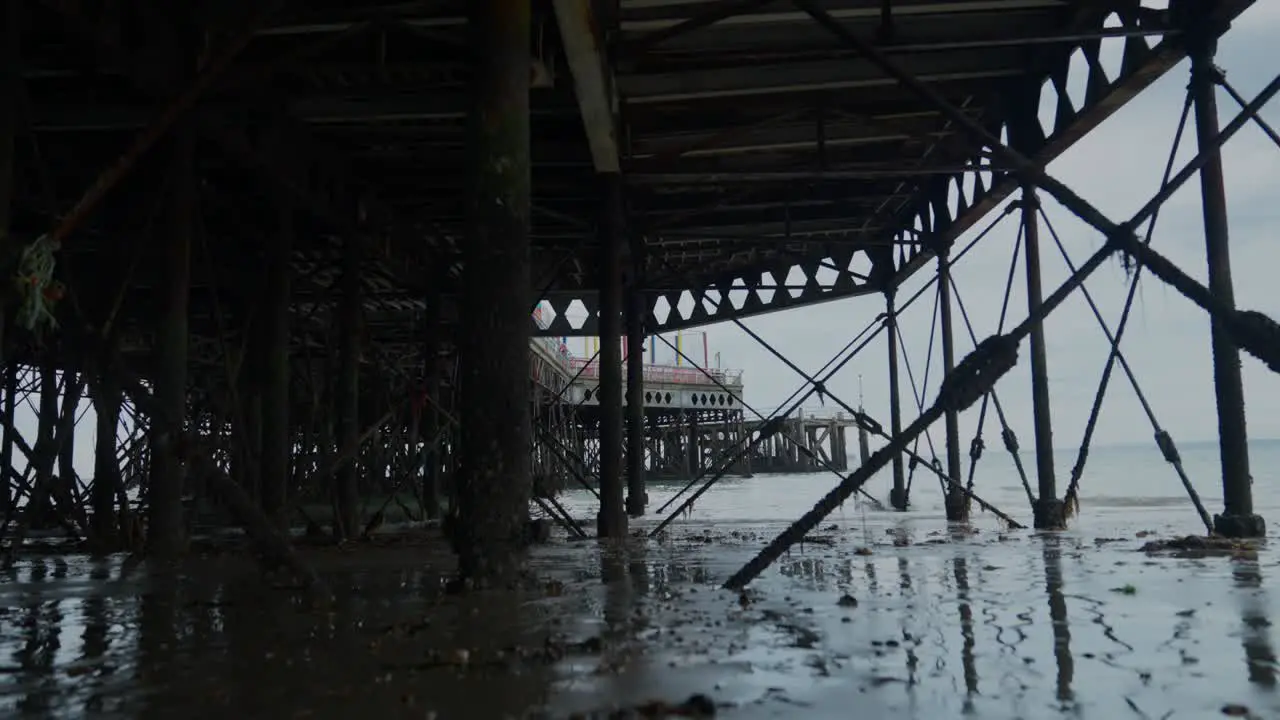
[(1129, 483), (894, 615)]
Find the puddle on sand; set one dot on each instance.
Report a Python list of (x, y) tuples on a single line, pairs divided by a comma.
[(937, 624)]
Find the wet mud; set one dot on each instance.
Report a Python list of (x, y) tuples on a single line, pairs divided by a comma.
[(893, 619)]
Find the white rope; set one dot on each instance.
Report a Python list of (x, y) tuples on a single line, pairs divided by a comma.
[(35, 282)]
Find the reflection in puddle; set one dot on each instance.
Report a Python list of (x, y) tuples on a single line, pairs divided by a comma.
[(1260, 659), (890, 622), (1058, 617), (960, 568)]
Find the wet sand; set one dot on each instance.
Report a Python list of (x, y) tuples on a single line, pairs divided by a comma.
[(882, 617)]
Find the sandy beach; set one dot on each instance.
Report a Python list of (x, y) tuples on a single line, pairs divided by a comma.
[(876, 617)]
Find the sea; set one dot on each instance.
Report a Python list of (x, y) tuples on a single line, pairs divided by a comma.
[(1120, 485)]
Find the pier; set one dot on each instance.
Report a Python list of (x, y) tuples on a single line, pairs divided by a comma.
[(692, 413), (292, 302), (305, 274), (315, 266)]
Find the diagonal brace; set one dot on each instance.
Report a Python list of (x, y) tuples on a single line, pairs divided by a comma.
[(1164, 441), (825, 464), (996, 355)]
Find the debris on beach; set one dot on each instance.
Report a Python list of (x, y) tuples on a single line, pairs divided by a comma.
[(697, 706), (1203, 546)]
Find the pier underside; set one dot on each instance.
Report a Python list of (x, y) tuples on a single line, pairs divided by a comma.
[(292, 251)]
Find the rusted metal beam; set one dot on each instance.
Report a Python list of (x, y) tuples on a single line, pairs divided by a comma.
[(346, 490), (169, 115), (1238, 518), (1048, 510), (721, 10), (634, 317), (593, 84), (494, 481), (612, 519), (1144, 70), (916, 82), (810, 76), (166, 532), (9, 88), (274, 366), (314, 179), (938, 32), (870, 171)]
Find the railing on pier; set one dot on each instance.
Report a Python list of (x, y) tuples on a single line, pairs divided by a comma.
[(672, 374), (816, 412), (665, 373)]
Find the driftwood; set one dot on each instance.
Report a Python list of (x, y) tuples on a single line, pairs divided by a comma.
[(274, 547)]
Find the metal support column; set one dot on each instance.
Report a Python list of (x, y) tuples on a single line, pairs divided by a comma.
[(9, 86), (9, 79), (1048, 511), (347, 392), (249, 389), (274, 343), (106, 465), (898, 495), (9, 494), (429, 421), (957, 503), (1237, 518), (637, 497), (166, 531), (612, 520), (494, 478), (37, 508)]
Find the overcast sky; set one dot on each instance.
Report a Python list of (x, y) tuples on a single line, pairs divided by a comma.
[(1117, 168)]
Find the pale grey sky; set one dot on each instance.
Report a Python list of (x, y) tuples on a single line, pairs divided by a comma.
[(1117, 168)]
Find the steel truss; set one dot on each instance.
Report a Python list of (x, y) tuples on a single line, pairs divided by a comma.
[(975, 377), (812, 259), (917, 224)]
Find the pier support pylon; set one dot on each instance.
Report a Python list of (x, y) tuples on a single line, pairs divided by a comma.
[(9, 84), (1049, 512), (957, 503), (166, 531), (636, 496), (432, 370), (494, 475), (106, 464), (347, 391), (898, 495), (273, 341), (1237, 518), (612, 519)]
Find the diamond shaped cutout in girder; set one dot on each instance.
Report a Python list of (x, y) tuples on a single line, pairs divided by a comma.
[(661, 310), (796, 280), (767, 288), (738, 297), (684, 308), (577, 314), (826, 275)]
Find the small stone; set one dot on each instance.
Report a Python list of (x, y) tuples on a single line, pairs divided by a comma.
[(847, 601), (699, 706)]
